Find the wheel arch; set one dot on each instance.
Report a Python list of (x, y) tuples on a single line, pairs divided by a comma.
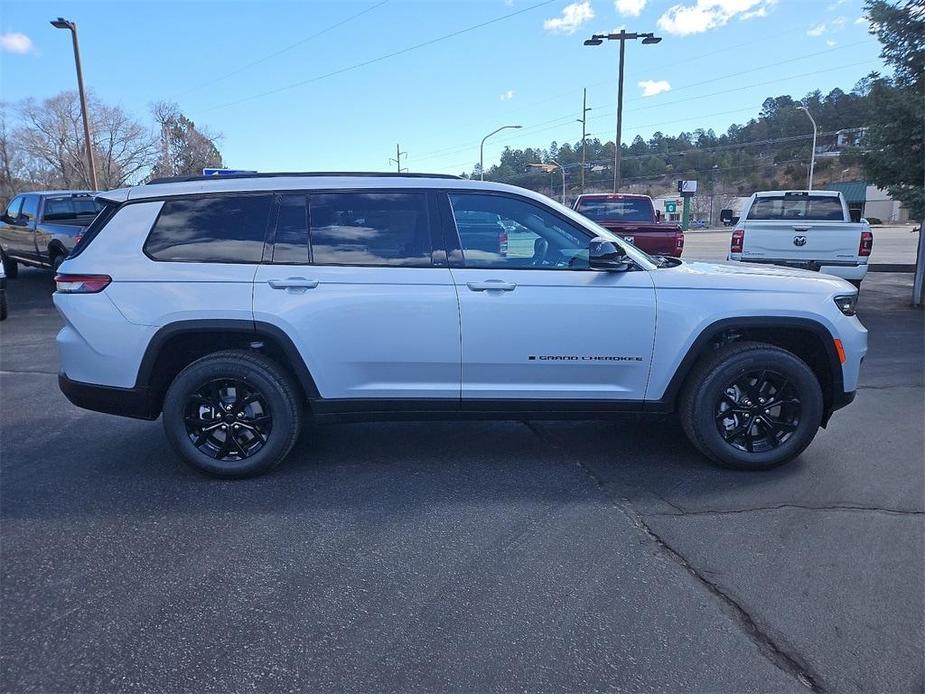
[(806, 338), (178, 344)]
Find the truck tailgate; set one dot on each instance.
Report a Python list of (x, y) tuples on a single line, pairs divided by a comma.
[(807, 240)]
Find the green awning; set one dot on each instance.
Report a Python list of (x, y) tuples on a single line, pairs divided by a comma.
[(854, 191)]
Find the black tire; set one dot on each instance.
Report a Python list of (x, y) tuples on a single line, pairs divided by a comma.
[(256, 378), (720, 418), (10, 267), (56, 260), (3, 309), (856, 283)]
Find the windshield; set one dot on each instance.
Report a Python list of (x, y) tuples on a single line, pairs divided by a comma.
[(797, 206), (64, 207), (617, 210)]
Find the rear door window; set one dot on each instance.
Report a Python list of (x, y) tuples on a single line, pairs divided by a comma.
[(211, 229), (380, 228), (291, 238)]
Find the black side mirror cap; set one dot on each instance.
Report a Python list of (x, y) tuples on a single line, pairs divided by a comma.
[(604, 254)]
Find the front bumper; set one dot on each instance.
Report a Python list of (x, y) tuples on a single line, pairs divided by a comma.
[(126, 402)]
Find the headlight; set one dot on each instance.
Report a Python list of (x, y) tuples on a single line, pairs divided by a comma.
[(846, 304)]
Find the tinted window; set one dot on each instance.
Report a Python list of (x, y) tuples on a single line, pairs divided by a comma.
[(291, 231), (370, 229), (83, 208), (523, 234), (797, 207), (13, 208), (220, 229), (617, 210), (30, 207)]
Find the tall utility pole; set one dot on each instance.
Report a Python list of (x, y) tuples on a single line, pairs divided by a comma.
[(812, 159), (584, 134), (623, 36), (61, 23), (398, 155)]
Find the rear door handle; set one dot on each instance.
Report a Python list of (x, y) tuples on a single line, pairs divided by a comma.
[(491, 285), (293, 284)]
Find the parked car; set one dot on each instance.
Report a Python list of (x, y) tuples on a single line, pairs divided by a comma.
[(698, 224), (3, 306), (234, 308), (727, 217), (634, 218), (803, 229), (40, 229)]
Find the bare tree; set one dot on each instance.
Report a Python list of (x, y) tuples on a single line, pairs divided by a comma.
[(51, 140)]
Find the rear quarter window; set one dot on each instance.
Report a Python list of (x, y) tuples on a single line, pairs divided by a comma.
[(212, 229)]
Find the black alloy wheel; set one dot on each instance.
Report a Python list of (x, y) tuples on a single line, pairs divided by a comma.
[(758, 411), (228, 419)]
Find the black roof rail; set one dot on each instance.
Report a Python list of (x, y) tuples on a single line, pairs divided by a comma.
[(299, 174)]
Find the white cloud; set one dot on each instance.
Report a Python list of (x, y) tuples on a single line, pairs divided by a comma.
[(839, 22), (762, 11), (12, 42), (817, 30), (861, 20), (630, 8), (705, 15), (830, 43), (573, 17), (508, 95), (653, 87), (836, 4)]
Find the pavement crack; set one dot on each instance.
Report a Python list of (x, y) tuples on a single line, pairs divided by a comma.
[(789, 662), (32, 371), (786, 507)]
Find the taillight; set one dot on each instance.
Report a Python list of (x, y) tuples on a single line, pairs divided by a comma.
[(679, 241), (502, 243), (77, 239), (81, 284), (867, 243), (738, 241)]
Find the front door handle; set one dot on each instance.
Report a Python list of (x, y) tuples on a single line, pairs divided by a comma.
[(802, 227), (491, 285), (293, 284)]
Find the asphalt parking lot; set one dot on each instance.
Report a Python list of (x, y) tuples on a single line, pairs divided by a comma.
[(528, 556)]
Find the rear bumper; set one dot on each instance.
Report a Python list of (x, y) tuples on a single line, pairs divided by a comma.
[(126, 402), (848, 271)]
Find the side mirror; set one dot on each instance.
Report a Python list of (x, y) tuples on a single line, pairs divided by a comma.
[(607, 255)]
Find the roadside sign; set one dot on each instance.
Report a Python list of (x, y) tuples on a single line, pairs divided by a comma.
[(671, 206), (225, 172), (687, 187)]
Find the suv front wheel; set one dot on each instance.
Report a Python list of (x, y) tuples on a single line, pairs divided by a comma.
[(232, 414), (751, 405)]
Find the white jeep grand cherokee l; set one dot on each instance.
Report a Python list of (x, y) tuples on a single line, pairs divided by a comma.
[(236, 306)]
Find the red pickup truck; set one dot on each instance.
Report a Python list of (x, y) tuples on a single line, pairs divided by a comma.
[(634, 218)]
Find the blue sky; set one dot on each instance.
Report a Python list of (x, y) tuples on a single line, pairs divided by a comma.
[(260, 73)]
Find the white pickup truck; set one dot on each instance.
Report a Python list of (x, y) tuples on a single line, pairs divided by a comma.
[(803, 229)]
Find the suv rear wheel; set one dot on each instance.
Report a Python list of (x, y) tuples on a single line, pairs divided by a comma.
[(751, 405), (232, 414)]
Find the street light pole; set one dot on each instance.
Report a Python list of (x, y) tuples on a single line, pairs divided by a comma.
[(482, 148), (812, 160), (623, 36), (61, 23)]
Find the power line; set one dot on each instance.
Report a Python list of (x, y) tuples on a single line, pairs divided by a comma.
[(567, 118), (380, 58), (283, 50)]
